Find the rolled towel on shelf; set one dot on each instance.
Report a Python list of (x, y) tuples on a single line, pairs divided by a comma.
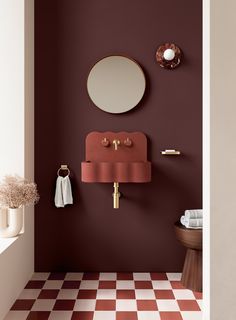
[(194, 214), (191, 223)]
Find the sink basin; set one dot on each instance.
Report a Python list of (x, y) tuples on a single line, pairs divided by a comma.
[(105, 162), (135, 171), (116, 157)]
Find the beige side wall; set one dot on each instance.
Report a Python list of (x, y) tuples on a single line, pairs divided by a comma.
[(17, 261), (223, 160)]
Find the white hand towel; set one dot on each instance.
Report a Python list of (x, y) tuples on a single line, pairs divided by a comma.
[(58, 193), (193, 214), (66, 191), (191, 223)]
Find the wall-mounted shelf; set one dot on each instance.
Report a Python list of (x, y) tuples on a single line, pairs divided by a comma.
[(170, 152)]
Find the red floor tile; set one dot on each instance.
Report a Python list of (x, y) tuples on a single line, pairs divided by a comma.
[(188, 305), (82, 315), (23, 304), (34, 284), (107, 285), (125, 294), (171, 316), (64, 305), (57, 276), (164, 294), (158, 276), (91, 276), (38, 315), (124, 276), (126, 315), (177, 285), (105, 305), (71, 285), (147, 305), (48, 294), (87, 294), (197, 295), (143, 287), (143, 284)]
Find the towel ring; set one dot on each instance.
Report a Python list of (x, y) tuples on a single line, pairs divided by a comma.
[(63, 167)]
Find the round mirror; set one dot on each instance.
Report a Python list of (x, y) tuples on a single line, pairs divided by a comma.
[(116, 84)]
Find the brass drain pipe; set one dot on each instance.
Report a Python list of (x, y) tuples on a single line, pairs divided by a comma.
[(116, 196)]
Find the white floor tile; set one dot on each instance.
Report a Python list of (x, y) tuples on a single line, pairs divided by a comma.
[(183, 294), (144, 294), (161, 284), (148, 315), (174, 276), (40, 276), (67, 294), (74, 276), (142, 276), (107, 276), (43, 305), (53, 284), (85, 305), (104, 315), (17, 315), (106, 294), (200, 303), (89, 284), (191, 315), (29, 294), (60, 315), (124, 284), (126, 305), (167, 305)]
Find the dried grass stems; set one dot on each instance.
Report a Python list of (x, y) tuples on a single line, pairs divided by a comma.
[(16, 192)]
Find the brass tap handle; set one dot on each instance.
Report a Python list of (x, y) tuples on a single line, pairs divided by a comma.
[(116, 143), (105, 142), (128, 142)]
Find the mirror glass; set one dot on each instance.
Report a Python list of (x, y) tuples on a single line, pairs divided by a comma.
[(116, 84)]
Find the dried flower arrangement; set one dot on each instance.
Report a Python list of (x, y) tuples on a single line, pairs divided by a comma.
[(16, 192)]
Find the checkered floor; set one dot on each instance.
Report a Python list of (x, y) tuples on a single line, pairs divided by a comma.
[(106, 296)]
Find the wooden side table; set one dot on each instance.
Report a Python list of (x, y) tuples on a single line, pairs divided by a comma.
[(192, 270)]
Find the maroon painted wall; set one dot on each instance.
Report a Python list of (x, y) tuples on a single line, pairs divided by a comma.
[(70, 36)]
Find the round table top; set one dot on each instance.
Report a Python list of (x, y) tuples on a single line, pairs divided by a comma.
[(180, 226)]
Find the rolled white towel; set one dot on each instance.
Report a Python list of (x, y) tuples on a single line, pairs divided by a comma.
[(191, 223), (194, 223), (194, 214), (183, 220)]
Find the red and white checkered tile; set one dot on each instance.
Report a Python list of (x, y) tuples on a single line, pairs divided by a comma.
[(106, 296)]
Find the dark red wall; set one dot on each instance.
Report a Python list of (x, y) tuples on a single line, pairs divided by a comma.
[(70, 36)]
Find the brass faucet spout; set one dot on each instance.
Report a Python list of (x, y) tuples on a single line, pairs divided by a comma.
[(116, 143)]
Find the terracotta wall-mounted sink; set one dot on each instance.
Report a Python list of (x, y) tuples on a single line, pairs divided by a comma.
[(116, 157), (116, 171)]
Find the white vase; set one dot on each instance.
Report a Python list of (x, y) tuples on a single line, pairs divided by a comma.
[(11, 222)]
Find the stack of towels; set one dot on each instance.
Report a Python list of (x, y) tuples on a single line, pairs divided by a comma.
[(63, 194), (192, 219)]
